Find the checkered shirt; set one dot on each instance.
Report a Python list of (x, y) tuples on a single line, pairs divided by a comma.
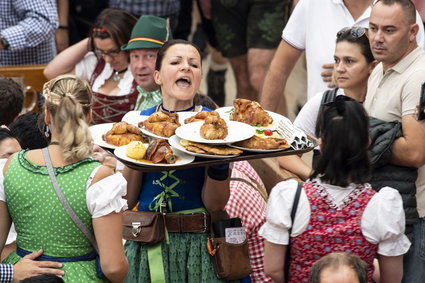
[(29, 28), (6, 273), (246, 203), (160, 8)]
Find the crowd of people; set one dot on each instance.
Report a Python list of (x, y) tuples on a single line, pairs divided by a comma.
[(355, 214)]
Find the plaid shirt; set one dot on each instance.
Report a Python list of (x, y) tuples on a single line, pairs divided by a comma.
[(158, 8), (29, 28), (146, 100), (6, 273), (246, 203)]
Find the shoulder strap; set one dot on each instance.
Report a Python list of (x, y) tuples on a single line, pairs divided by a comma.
[(97, 70), (293, 213), (67, 207)]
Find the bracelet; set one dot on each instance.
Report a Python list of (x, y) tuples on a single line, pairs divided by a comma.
[(63, 27)]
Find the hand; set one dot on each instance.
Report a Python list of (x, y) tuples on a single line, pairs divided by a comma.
[(27, 267), (327, 74), (104, 157)]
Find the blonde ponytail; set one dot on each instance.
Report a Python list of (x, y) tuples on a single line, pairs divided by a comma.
[(68, 99)]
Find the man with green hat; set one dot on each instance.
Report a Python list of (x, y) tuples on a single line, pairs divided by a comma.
[(147, 36)]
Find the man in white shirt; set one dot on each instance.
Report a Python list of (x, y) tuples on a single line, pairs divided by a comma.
[(312, 27)]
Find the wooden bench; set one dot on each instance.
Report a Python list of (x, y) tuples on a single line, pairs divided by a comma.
[(31, 76)]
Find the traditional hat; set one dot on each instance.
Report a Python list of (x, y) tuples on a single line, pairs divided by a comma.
[(148, 32)]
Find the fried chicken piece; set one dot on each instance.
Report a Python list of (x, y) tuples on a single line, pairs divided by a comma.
[(209, 149), (200, 116), (214, 128), (250, 112), (123, 133), (256, 142), (162, 123), (160, 151), (123, 139)]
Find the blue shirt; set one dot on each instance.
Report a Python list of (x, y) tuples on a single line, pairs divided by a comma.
[(29, 28), (6, 273)]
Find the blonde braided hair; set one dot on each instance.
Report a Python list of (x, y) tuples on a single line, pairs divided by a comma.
[(68, 99)]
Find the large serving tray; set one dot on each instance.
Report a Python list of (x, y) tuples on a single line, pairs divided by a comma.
[(199, 161)]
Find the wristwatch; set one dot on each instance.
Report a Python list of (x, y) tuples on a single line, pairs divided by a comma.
[(4, 42)]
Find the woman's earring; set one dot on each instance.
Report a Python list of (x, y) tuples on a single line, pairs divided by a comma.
[(47, 131)]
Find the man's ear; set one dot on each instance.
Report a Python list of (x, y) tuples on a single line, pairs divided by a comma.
[(157, 77), (414, 29)]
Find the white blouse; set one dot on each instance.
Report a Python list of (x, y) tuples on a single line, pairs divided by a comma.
[(85, 68), (102, 198), (382, 222)]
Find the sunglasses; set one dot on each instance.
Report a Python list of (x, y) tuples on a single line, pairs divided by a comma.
[(355, 32)]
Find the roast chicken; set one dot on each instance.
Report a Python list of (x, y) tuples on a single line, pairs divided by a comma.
[(123, 133), (161, 123), (200, 116), (160, 151), (214, 127), (250, 112)]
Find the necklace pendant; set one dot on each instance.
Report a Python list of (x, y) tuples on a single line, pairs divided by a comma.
[(116, 77)]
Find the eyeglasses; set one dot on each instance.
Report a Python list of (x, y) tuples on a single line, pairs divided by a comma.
[(112, 53), (355, 32)]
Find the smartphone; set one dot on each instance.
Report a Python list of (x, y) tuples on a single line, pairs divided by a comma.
[(421, 114)]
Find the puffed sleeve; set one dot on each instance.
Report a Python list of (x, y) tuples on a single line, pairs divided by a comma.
[(106, 196), (85, 68), (383, 223), (278, 219)]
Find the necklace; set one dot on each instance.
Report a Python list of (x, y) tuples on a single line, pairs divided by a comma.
[(170, 111), (116, 77)]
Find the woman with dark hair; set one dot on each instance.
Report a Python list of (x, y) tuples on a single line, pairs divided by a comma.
[(99, 60), (353, 64), (192, 193), (337, 210), (92, 190)]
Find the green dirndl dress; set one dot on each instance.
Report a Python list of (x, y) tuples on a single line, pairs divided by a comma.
[(40, 219)]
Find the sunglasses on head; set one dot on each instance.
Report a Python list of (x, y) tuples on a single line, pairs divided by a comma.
[(355, 32)]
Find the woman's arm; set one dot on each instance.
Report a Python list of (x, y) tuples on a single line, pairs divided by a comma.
[(108, 233), (391, 268), (294, 164), (274, 261), (134, 183), (216, 189), (66, 61)]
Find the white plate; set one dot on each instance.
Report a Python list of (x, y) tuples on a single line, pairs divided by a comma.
[(175, 142), (182, 158), (237, 132), (97, 131)]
